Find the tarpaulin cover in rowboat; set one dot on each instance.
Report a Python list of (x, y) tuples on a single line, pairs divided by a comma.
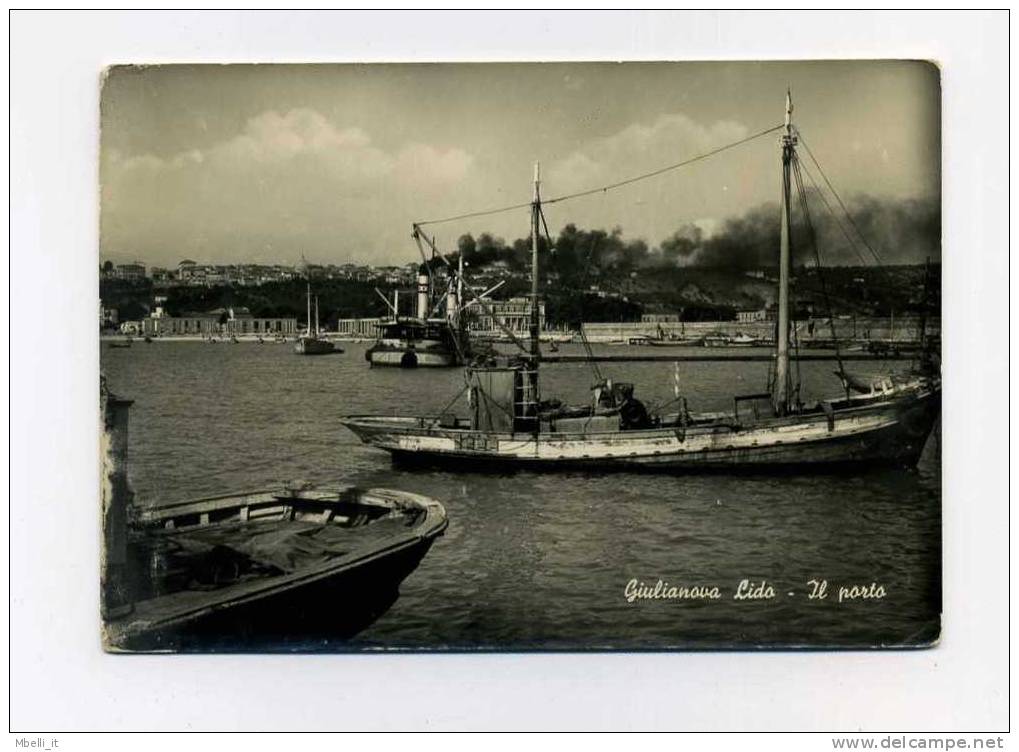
[(221, 554)]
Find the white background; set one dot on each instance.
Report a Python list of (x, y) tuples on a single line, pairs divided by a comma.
[(62, 682)]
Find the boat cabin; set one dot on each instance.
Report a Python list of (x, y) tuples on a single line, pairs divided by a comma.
[(413, 329)]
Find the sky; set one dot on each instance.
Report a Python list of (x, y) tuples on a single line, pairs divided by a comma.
[(333, 163)]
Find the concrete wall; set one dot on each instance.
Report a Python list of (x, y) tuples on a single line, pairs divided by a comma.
[(898, 329)]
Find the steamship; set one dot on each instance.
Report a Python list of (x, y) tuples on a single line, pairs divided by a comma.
[(510, 425), (423, 340)]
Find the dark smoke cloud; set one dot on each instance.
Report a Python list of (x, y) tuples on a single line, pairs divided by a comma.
[(900, 231)]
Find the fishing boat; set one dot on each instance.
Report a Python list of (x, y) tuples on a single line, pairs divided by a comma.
[(257, 570), (509, 425), (424, 340), (312, 343)]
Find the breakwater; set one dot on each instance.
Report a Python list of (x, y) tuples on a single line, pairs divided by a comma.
[(871, 328)]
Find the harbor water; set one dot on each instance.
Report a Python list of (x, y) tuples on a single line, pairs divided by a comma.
[(567, 560)]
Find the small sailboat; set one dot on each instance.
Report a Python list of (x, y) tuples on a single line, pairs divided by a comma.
[(312, 342), (510, 425)]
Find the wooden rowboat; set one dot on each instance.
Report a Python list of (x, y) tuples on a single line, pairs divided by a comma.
[(270, 569)]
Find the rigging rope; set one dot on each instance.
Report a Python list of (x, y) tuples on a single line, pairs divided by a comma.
[(449, 405), (817, 258), (838, 198), (583, 335), (604, 188), (838, 222)]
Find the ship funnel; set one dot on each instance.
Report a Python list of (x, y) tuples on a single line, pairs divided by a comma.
[(452, 303), (422, 294)]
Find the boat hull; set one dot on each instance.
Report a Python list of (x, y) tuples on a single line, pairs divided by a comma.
[(307, 616), (306, 608), (891, 432), (307, 346), (410, 357)]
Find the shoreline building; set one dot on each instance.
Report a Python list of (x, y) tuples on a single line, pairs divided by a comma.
[(362, 328), (220, 321), (514, 314), (108, 317), (132, 272)]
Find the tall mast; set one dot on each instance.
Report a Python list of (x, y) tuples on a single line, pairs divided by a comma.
[(535, 219), (309, 309), (316, 315), (781, 395), (460, 281)]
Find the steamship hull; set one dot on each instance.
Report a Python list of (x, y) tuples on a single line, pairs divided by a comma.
[(395, 355), (867, 431)]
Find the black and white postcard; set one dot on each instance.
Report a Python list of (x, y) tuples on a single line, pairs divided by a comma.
[(533, 356)]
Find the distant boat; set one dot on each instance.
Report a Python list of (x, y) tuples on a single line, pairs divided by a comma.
[(407, 342), (744, 340), (119, 343), (312, 343), (725, 340), (420, 341), (676, 342)]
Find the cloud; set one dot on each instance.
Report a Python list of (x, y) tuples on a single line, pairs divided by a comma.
[(293, 181), (643, 147), (652, 209)]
